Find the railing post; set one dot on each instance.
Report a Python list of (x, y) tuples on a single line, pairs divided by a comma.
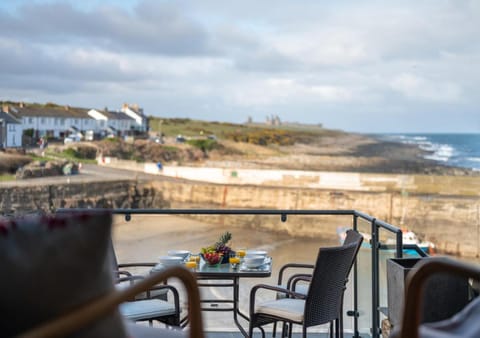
[(375, 281), (356, 334)]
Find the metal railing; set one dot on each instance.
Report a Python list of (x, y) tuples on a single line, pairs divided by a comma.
[(376, 226)]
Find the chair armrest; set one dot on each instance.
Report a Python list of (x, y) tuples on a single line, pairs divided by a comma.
[(415, 285), (76, 319), (287, 266), (254, 290), (293, 280)]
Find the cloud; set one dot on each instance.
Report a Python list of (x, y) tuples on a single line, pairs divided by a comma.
[(340, 63), (416, 87), (150, 28)]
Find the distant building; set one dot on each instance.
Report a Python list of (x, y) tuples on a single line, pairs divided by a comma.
[(111, 122), (11, 130), (136, 113)]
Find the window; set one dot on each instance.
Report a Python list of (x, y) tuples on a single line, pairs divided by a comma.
[(62, 122), (42, 120), (30, 120)]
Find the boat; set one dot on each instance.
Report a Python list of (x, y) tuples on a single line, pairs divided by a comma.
[(408, 237)]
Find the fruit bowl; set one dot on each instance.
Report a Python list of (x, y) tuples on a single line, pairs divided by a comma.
[(212, 258)]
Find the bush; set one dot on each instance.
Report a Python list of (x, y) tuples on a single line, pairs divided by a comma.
[(9, 164), (204, 145)]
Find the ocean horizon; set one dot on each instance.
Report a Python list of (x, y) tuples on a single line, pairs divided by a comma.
[(452, 149)]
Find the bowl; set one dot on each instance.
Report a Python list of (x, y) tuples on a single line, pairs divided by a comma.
[(179, 253), (256, 253), (253, 261), (170, 260)]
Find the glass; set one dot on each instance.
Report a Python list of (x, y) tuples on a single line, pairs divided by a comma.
[(191, 265), (241, 253), (194, 258), (234, 261)]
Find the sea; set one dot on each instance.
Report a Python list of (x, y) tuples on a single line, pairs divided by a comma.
[(458, 150)]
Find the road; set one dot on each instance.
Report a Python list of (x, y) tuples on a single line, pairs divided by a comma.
[(88, 173)]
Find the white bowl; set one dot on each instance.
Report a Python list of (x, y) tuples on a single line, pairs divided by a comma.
[(256, 253), (253, 261), (170, 260), (179, 253)]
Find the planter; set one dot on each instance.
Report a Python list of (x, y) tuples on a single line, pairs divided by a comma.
[(444, 294)]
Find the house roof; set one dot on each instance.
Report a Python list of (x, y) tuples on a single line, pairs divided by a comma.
[(8, 118), (113, 115), (35, 110)]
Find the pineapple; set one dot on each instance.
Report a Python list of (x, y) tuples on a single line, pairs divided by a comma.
[(221, 245)]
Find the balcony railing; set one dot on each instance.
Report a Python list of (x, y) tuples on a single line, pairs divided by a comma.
[(367, 288)]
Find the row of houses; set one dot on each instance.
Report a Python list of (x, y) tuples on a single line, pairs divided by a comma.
[(58, 122)]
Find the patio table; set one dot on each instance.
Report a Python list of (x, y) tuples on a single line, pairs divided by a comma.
[(224, 276)]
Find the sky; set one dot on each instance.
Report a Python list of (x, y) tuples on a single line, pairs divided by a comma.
[(363, 66)]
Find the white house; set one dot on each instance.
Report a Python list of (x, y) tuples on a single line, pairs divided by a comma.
[(51, 121), (117, 123), (136, 113), (11, 130)]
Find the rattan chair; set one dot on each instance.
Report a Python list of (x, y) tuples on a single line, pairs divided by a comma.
[(464, 324), (300, 282), (71, 322), (151, 305), (323, 302)]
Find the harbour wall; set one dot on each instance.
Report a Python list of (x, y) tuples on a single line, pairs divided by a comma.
[(448, 217), (93, 194), (451, 222)]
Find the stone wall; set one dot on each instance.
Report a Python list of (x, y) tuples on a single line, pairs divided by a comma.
[(111, 194), (451, 222)]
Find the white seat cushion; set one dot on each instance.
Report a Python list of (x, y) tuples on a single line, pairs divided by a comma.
[(289, 308), (142, 331), (146, 309)]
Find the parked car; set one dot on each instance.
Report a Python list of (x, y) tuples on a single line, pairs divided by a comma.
[(71, 139)]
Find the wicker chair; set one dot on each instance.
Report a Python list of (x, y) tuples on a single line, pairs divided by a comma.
[(149, 305), (71, 322), (464, 324), (293, 280), (323, 302)]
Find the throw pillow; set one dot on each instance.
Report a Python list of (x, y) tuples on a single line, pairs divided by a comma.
[(51, 264)]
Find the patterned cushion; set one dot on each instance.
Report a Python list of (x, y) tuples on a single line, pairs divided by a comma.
[(51, 264)]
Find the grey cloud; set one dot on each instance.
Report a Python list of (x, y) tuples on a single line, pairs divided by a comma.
[(150, 28)]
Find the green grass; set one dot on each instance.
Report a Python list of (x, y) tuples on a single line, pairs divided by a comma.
[(256, 133), (7, 178)]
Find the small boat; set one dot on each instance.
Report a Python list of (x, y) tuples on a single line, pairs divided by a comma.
[(408, 237)]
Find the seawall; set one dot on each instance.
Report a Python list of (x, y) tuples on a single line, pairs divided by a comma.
[(97, 194), (447, 214)]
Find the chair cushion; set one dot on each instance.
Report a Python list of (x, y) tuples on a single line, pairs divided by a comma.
[(146, 309), (51, 264), (290, 308), (143, 331)]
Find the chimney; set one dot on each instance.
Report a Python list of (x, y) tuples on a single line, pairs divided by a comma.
[(21, 105), (5, 108), (67, 107), (124, 106)]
